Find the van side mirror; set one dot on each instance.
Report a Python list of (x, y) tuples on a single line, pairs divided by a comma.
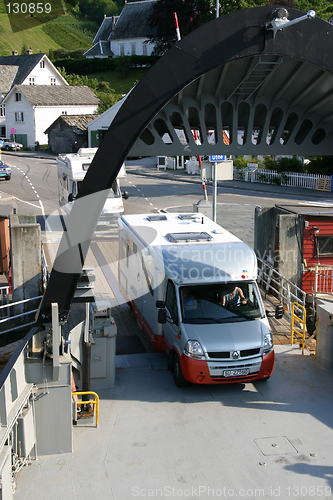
[(125, 195), (70, 197), (161, 316), (279, 311)]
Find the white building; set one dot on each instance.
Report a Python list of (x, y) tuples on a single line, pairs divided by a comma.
[(98, 127), (30, 69), (31, 109), (126, 34)]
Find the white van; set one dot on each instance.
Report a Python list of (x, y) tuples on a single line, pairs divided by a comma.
[(71, 171), (192, 286)]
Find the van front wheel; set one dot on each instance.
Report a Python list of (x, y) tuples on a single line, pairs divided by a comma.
[(177, 373)]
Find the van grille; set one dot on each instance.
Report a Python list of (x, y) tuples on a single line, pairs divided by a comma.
[(227, 354)]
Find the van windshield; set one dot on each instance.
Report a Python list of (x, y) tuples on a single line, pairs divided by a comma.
[(220, 303)]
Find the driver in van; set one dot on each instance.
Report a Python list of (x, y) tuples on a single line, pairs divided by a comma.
[(234, 297)]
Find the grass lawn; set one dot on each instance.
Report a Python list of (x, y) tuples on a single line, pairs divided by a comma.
[(117, 82)]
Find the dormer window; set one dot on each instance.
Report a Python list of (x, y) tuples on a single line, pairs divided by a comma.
[(18, 96)]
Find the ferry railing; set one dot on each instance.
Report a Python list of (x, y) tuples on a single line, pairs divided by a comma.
[(298, 320), (94, 403), (274, 283), (17, 316)]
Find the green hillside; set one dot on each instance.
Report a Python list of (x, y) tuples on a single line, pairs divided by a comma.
[(63, 32)]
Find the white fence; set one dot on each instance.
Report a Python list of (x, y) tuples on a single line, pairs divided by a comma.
[(291, 179), (324, 279)]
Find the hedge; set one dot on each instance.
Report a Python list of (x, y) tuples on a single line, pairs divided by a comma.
[(85, 66)]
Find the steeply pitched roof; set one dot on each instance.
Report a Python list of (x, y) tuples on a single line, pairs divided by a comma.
[(133, 21), (58, 95), (24, 64), (105, 29), (100, 48), (76, 121), (7, 75)]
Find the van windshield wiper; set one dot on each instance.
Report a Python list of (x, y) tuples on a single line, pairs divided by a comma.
[(209, 319)]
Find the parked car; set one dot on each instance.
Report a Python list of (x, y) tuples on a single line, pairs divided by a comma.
[(11, 145), (5, 171)]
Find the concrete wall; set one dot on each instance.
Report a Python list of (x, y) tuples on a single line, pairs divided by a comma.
[(26, 261), (324, 334), (289, 259), (278, 239), (264, 232)]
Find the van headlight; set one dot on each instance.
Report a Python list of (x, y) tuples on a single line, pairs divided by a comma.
[(268, 343), (194, 350)]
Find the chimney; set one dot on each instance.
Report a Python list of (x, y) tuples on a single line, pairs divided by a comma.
[(29, 52), (14, 53)]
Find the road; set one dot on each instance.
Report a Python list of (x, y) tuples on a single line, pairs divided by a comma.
[(33, 190)]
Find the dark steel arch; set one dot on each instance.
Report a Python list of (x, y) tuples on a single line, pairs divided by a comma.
[(228, 39)]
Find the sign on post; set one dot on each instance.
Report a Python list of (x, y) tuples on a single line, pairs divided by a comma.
[(213, 158)]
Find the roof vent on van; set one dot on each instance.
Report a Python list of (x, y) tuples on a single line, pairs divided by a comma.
[(177, 237), (153, 218), (187, 216)]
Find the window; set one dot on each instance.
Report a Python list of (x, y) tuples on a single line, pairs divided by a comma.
[(121, 49), (144, 48), (64, 112), (324, 245), (212, 303), (53, 81), (32, 80), (19, 117), (18, 96), (3, 110), (171, 302), (133, 49), (42, 64)]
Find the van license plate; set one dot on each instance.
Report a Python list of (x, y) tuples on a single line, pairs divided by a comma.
[(236, 373)]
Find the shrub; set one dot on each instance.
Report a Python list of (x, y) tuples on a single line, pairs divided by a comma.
[(270, 163), (293, 164)]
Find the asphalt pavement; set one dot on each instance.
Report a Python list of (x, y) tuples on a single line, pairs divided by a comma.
[(147, 167)]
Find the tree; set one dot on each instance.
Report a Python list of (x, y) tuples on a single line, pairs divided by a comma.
[(24, 49), (320, 165), (101, 89), (95, 10), (191, 14)]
